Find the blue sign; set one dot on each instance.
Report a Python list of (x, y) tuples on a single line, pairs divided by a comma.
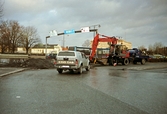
[(69, 31)]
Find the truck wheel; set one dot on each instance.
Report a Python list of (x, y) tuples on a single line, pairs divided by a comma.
[(88, 67), (71, 71), (80, 70), (125, 61), (134, 62), (112, 61), (60, 70), (143, 61)]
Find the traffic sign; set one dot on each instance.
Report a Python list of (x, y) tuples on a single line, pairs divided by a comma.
[(69, 31), (53, 33), (85, 29)]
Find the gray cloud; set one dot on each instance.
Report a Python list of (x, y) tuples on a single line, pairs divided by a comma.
[(140, 22)]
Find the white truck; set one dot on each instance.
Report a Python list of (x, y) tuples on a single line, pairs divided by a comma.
[(72, 61)]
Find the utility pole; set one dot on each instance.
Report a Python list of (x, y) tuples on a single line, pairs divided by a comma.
[(94, 26), (46, 45), (54, 33), (63, 41)]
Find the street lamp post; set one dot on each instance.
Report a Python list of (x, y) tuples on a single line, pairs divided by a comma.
[(63, 41), (46, 45)]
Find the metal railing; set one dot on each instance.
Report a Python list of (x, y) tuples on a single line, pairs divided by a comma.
[(13, 56)]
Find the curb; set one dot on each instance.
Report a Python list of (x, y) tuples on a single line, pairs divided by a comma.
[(5, 74), (146, 68)]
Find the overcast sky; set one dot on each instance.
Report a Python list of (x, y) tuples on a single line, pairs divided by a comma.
[(141, 22)]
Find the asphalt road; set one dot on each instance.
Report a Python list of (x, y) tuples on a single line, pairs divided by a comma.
[(102, 90)]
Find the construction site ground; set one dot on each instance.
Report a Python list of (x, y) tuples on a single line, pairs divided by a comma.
[(15, 65), (35, 63), (40, 63)]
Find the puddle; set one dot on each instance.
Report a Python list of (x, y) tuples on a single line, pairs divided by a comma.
[(119, 73)]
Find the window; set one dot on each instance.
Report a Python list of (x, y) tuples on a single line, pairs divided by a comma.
[(72, 48), (66, 54)]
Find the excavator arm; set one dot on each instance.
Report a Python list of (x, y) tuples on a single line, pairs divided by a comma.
[(113, 40)]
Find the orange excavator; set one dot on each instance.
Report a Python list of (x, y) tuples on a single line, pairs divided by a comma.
[(112, 55)]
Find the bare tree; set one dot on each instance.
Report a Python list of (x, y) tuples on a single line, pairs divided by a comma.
[(150, 49), (15, 35), (11, 33), (4, 37), (143, 48), (86, 43), (29, 38), (157, 46)]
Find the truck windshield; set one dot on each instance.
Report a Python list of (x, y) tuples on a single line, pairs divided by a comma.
[(66, 54)]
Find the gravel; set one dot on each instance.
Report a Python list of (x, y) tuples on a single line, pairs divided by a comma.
[(35, 63)]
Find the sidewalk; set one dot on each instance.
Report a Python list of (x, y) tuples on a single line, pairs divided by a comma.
[(9, 70)]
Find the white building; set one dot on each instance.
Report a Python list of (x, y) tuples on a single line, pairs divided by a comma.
[(41, 49)]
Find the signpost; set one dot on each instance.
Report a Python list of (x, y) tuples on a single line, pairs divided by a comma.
[(53, 33), (82, 30), (46, 45), (85, 29), (69, 31)]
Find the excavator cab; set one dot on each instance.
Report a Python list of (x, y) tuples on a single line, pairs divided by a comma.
[(118, 49)]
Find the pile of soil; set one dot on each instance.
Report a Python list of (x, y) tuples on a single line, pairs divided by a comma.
[(37, 63)]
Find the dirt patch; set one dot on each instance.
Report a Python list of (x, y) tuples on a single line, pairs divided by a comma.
[(37, 63)]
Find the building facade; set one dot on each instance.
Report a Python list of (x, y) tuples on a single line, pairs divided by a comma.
[(120, 41), (41, 49)]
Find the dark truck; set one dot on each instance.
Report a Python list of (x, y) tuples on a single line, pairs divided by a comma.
[(52, 55), (137, 55)]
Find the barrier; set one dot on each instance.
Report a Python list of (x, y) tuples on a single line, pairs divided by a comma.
[(13, 56)]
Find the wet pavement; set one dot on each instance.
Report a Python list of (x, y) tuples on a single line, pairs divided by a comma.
[(138, 66), (146, 90), (4, 71), (107, 89)]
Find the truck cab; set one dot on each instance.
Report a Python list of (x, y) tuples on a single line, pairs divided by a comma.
[(137, 55)]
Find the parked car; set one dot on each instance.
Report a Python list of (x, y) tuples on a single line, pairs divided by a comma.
[(52, 55), (72, 61)]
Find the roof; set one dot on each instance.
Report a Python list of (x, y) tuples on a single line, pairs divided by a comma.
[(70, 51), (44, 45), (67, 51)]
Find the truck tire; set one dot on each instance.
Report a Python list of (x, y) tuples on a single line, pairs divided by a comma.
[(71, 71), (60, 70), (134, 62), (80, 70), (125, 61), (143, 61), (112, 61)]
